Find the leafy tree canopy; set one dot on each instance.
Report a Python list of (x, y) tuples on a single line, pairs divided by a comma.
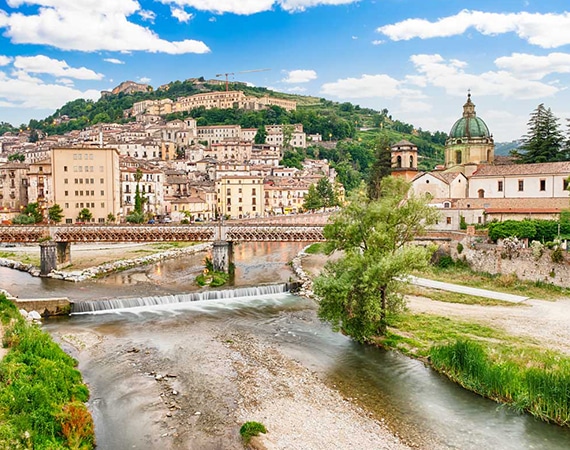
[(359, 289)]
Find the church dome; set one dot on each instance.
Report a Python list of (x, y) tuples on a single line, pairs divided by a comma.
[(469, 126)]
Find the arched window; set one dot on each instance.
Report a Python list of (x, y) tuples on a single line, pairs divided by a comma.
[(458, 156), (481, 193), (411, 161), (399, 162), (446, 204)]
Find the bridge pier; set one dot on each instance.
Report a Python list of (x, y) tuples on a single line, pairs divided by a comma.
[(54, 255), (222, 256)]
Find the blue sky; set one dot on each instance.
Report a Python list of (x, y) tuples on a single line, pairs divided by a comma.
[(417, 58)]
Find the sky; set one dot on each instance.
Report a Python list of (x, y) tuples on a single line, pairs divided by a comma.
[(417, 58)]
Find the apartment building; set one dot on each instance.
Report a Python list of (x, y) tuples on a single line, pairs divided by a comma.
[(285, 195), (86, 177), (289, 105), (151, 189), (280, 135), (217, 133), (40, 184), (240, 196), (13, 186), (209, 100), (230, 150)]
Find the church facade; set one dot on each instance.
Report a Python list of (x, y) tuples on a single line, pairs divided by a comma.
[(474, 186)]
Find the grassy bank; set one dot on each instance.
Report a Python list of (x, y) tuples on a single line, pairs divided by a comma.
[(487, 361), (41, 392)]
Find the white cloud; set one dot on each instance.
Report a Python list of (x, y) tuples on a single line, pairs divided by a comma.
[(89, 25), (65, 81), (144, 80), (366, 86), (147, 15), (548, 30), (55, 67), (451, 76), (377, 42), (114, 61), (5, 60), (300, 76), (21, 91), (247, 7), (181, 15), (535, 67), (212, 19), (409, 105), (354, 38)]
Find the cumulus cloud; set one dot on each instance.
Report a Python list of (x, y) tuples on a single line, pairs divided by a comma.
[(367, 86), (377, 42), (5, 60), (300, 76), (181, 15), (247, 7), (147, 15), (535, 28), (89, 25), (24, 91), (450, 75), (144, 80), (55, 67), (535, 67), (114, 61)]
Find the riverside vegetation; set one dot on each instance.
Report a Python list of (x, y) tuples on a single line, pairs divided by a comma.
[(510, 370), (42, 395)]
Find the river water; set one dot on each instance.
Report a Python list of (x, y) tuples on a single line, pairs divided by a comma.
[(426, 409)]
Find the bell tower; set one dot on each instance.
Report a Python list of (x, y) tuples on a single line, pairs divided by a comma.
[(404, 160)]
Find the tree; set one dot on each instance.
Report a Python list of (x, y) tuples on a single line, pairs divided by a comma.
[(34, 137), (139, 198), (260, 136), (326, 193), (543, 141), (359, 289), (33, 210), (381, 168), (84, 215), (287, 135), (16, 157), (111, 218), (55, 213), (312, 200)]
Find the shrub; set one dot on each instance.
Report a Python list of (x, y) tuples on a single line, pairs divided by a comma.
[(557, 256), (459, 247), (462, 223), (445, 262), (250, 429)]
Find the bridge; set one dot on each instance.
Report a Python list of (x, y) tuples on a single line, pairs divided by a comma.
[(55, 241)]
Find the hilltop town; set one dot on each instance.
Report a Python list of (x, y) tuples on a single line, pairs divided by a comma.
[(181, 171)]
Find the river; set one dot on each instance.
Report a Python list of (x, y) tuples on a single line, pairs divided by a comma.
[(121, 352)]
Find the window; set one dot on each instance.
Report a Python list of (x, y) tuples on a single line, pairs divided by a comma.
[(67, 205), (68, 220), (65, 168), (500, 186), (66, 193), (101, 180), (565, 184), (481, 193), (399, 162), (92, 193), (448, 220), (253, 191), (76, 193), (65, 180), (102, 193), (543, 185), (521, 185), (101, 220), (458, 157), (102, 204)]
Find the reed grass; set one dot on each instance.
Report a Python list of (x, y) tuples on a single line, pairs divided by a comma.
[(41, 392), (539, 385)]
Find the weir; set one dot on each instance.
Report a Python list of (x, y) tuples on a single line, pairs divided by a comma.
[(93, 306)]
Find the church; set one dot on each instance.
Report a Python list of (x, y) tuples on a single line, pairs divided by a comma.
[(473, 184)]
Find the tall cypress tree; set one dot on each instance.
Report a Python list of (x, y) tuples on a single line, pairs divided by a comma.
[(543, 141), (382, 166)]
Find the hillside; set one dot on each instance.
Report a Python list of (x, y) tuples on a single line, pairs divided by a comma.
[(357, 131)]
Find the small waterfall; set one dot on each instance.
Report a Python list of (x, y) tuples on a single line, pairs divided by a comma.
[(121, 303)]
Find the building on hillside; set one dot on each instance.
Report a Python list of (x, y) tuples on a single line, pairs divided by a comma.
[(404, 156), (151, 190), (86, 177), (130, 87), (440, 185), (289, 105), (469, 143), (40, 185), (14, 180), (209, 100), (230, 150), (285, 195), (240, 196), (218, 133), (192, 208), (277, 135)]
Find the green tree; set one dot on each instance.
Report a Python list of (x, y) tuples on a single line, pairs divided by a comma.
[(326, 193), (381, 167), (260, 136), (34, 137), (139, 198), (359, 289), (33, 210), (55, 213), (287, 135), (543, 141), (17, 157), (312, 200), (84, 215), (111, 218)]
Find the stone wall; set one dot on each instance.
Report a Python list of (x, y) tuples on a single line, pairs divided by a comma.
[(524, 263), (46, 307)]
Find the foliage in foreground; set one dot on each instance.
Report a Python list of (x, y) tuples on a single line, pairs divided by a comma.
[(41, 393), (542, 388), (250, 429), (359, 289)]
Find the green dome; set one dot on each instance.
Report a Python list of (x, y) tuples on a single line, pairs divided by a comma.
[(469, 126)]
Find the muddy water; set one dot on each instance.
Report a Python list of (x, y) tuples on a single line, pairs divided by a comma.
[(121, 350)]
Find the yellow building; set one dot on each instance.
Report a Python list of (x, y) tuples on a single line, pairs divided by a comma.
[(240, 196), (86, 177)]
